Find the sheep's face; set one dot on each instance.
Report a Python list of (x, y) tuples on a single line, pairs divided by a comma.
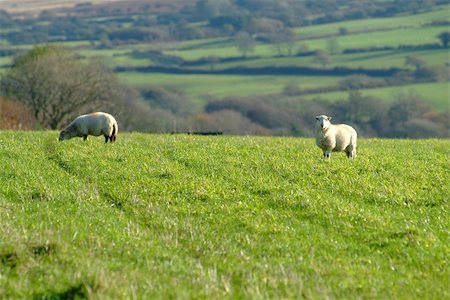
[(323, 122), (63, 135)]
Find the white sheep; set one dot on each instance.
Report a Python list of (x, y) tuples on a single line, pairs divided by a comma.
[(97, 123), (338, 137)]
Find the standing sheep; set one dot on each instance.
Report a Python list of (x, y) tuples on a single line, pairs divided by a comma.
[(339, 137), (97, 123)]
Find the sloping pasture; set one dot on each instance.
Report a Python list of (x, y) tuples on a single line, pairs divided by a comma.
[(182, 216)]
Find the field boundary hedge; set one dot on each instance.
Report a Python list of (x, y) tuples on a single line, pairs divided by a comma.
[(336, 71)]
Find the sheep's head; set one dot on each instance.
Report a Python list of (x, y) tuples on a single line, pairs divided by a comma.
[(63, 135), (323, 122)]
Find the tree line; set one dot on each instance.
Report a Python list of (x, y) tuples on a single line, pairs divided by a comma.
[(408, 116)]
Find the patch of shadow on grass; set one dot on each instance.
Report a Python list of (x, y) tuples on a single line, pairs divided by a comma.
[(378, 245), (78, 291), (44, 249), (7, 176), (164, 175), (260, 192), (408, 236), (119, 159), (187, 163), (39, 196), (9, 259), (4, 154), (113, 201)]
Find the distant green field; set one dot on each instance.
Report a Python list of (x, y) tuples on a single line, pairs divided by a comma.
[(228, 51), (5, 60), (198, 86), (436, 94), (440, 14), (374, 59), (402, 36), (203, 43), (189, 217), (127, 61), (107, 53), (391, 58)]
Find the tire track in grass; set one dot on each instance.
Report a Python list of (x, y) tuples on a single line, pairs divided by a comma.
[(54, 156)]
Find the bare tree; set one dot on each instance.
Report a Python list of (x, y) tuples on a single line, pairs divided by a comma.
[(333, 45), (245, 43), (322, 57), (283, 41), (415, 61), (56, 85)]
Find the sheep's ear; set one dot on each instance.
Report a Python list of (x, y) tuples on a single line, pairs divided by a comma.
[(317, 117), (329, 118)]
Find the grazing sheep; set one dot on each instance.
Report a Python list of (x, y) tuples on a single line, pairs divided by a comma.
[(338, 137), (97, 123)]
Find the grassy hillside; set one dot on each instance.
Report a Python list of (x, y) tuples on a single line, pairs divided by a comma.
[(178, 216)]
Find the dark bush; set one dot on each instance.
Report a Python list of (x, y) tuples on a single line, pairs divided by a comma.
[(359, 81), (170, 100), (135, 34)]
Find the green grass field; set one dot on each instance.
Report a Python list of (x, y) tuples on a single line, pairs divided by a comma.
[(372, 60), (178, 216)]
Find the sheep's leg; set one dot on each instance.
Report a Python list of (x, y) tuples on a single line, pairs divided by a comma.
[(327, 154), (351, 152), (106, 139), (84, 137)]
